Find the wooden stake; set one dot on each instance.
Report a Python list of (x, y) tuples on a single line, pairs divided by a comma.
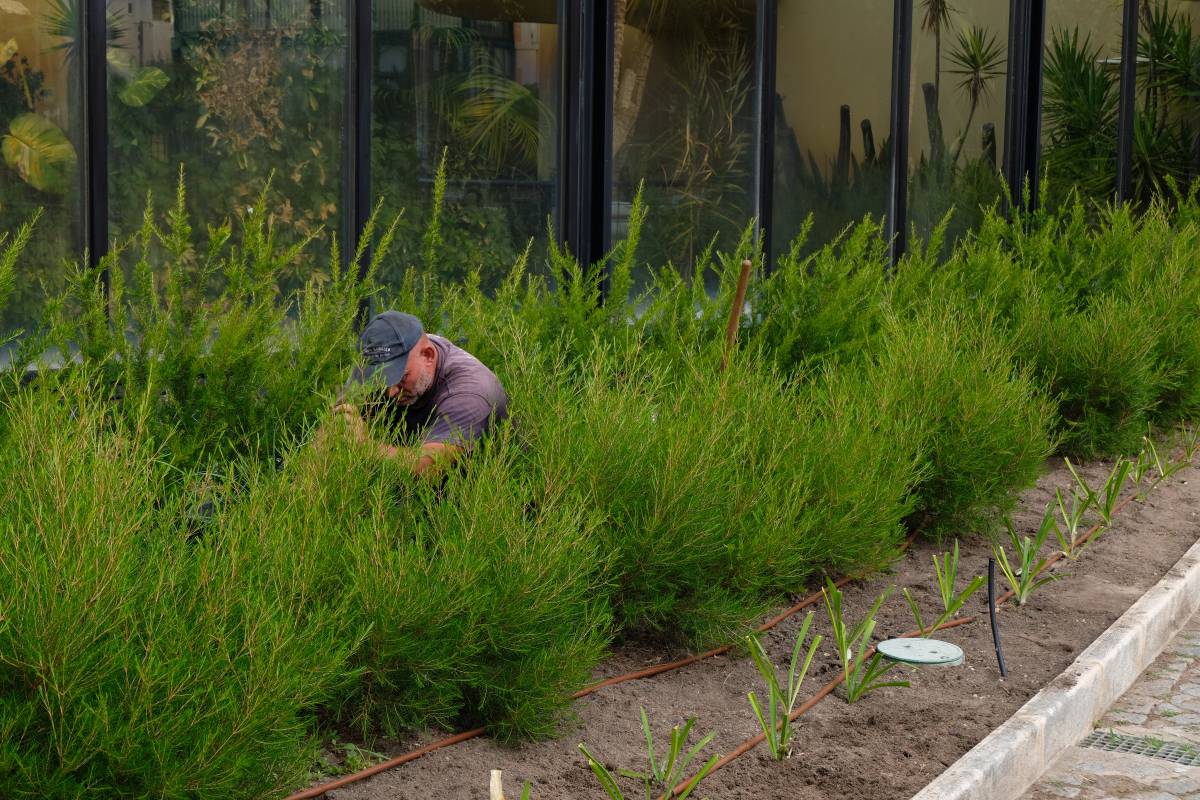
[(735, 313), (497, 788)]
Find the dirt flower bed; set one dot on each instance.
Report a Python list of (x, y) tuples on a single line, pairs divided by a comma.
[(890, 743)]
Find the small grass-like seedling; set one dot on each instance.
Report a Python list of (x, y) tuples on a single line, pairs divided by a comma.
[(776, 723), (861, 674), (660, 776), (1112, 490), (1024, 575), (1105, 501), (1068, 530), (1140, 472), (1189, 440), (1149, 461), (947, 575), (1089, 498)]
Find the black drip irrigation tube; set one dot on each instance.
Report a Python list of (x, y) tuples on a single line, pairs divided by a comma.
[(992, 616)]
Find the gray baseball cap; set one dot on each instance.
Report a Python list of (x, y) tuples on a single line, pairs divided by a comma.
[(384, 346)]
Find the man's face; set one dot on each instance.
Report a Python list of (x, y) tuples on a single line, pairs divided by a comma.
[(418, 375)]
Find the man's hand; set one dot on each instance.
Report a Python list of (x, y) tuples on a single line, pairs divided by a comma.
[(349, 414), (430, 459)]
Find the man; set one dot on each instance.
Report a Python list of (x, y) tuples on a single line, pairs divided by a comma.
[(428, 388)]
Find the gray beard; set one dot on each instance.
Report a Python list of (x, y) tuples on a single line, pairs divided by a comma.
[(421, 388)]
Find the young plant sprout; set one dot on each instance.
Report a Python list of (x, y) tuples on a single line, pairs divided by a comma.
[(947, 575), (1189, 440), (1139, 473), (861, 674), (1112, 490), (1068, 529), (660, 776), (1105, 501), (776, 723), (1165, 468), (1150, 459), (1089, 498), (1023, 575)]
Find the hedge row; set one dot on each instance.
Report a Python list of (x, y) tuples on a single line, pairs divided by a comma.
[(198, 575)]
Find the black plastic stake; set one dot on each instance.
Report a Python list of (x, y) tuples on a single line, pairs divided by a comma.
[(992, 616)]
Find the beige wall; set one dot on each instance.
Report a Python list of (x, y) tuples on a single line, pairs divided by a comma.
[(835, 53), (830, 54)]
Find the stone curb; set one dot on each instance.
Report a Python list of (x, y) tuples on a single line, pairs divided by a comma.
[(1012, 757)]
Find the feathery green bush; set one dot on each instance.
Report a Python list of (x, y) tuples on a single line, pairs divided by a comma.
[(201, 571)]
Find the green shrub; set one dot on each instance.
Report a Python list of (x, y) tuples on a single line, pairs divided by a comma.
[(483, 599), (1100, 365), (135, 664), (218, 374), (985, 423), (826, 304)]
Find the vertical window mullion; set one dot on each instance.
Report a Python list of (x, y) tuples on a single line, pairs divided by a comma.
[(897, 217)]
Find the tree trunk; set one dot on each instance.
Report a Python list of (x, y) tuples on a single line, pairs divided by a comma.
[(868, 142), (842, 177), (933, 120)]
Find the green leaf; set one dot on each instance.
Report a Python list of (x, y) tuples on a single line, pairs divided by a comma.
[(40, 153), (143, 87)]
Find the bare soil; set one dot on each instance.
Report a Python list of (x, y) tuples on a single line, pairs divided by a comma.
[(889, 744)]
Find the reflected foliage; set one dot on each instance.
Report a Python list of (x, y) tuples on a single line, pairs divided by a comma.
[(1082, 97), (684, 121)]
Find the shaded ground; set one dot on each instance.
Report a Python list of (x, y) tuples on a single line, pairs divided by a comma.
[(1162, 708), (888, 745)]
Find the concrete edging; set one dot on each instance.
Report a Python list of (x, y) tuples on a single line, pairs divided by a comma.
[(1012, 758)]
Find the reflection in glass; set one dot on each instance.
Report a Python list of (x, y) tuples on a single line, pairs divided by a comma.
[(960, 61), (475, 81), (1082, 97), (40, 145), (235, 92), (1081, 93), (832, 158), (684, 122)]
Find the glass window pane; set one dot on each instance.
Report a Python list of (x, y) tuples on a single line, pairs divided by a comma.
[(40, 119), (959, 79), (237, 92), (477, 81), (832, 115), (684, 122), (1080, 97)]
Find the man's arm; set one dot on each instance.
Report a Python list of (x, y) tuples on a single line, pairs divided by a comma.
[(430, 459)]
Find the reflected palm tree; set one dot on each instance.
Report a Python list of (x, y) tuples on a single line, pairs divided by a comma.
[(937, 19), (63, 23), (979, 59)]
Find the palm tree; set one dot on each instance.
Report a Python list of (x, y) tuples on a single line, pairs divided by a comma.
[(937, 19), (978, 59)]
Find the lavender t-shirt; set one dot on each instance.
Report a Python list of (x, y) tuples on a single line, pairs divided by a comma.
[(464, 402)]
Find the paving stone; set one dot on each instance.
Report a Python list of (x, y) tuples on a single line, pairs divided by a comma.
[(1164, 704)]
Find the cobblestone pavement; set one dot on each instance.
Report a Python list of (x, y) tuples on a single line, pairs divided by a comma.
[(1160, 710)]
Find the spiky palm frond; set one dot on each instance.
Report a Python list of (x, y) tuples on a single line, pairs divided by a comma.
[(63, 23), (499, 116), (978, 59)]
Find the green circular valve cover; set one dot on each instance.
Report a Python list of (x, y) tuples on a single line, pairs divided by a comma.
[(925, 652)]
